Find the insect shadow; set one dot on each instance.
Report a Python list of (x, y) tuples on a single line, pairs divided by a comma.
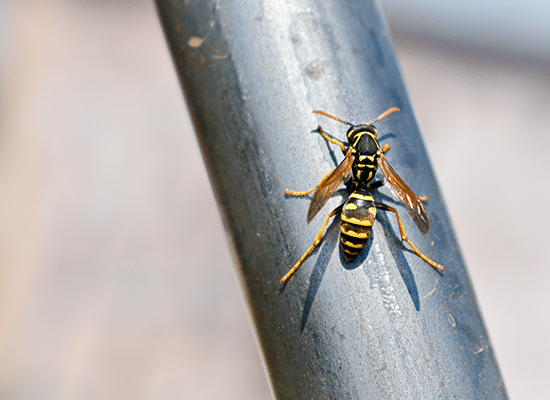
[(397, 250), (329, 244)]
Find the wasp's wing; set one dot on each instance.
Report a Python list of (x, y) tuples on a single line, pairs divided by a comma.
[(329, 185), (413, 204)]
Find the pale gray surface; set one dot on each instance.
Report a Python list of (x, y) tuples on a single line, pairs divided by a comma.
[(115, 277)]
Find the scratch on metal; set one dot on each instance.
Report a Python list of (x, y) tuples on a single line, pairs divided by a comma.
[(380, 278)]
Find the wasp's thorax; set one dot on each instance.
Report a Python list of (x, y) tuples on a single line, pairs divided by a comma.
[(362, 138)]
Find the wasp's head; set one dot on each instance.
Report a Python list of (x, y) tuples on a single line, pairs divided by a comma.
[(363, 139)]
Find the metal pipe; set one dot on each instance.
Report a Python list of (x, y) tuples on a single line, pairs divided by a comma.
[(386, 325)]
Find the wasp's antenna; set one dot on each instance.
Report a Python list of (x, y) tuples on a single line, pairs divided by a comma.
[(333, 117), (383, 115)]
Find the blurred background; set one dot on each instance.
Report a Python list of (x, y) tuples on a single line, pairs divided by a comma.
[(116, 279)]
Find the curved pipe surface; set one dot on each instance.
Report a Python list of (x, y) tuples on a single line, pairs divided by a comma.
[(386, 325)]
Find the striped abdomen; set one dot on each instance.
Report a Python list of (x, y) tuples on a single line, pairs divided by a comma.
[(357, 218)]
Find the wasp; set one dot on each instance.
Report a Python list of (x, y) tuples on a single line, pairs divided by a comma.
[(362, 158)]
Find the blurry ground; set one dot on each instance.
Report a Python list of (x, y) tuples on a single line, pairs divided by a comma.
[(116, 279)]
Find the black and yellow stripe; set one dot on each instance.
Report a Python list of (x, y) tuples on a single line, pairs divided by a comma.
[(357, 218)]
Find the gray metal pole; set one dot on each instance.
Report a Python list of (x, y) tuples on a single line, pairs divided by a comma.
[(386, 325)]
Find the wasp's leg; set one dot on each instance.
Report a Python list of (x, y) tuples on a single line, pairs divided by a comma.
[(328, 139), (404, 237), (377, 184), (299, 194), (332, 140), (317, 240)]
